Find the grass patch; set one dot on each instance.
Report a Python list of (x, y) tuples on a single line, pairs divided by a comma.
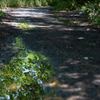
[(25, 26), (92, 12)]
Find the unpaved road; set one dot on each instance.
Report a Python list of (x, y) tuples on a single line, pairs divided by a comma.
[(74, 51)]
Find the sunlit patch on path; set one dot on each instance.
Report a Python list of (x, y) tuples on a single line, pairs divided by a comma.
[(73, 52)]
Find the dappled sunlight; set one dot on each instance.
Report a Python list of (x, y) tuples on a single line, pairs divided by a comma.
[(42, 14), (72, 51), (96, 81), (77, 97), (15, 24), (72, 90), (79, 84), (73, 22), (12, 47), (68, 14), (73, 75), (65, 86), (32, 12), (50, 84), (71, 61)]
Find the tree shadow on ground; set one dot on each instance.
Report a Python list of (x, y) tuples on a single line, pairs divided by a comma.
[(75, 60), (7, 35), (74, 54)]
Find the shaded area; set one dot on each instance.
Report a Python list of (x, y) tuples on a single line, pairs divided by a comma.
[(7, 34), (74, 53)]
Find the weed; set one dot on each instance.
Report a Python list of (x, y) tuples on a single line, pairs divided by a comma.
[(25, 26), (24, 75)]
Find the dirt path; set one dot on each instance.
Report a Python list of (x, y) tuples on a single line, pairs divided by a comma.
[(74, 50)]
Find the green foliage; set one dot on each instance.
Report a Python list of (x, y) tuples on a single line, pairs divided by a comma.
[(25, 3), (92, 12), (18, 43), (61, 5), (37, 3), (29, 3), (91, 7), (13, 3), (2, 13), (23, 76), (25, 26), (66, 5), (43, 2)]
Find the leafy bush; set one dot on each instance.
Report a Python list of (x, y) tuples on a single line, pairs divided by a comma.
[(66, 5), (23, 76), (25, 26), (92, 12)]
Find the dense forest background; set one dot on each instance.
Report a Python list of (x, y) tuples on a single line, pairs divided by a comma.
[(91, 7)]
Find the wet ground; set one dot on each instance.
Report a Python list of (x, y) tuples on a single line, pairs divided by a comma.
[(73, 49)]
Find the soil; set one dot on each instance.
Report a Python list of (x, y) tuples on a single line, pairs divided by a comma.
[(74, 50)]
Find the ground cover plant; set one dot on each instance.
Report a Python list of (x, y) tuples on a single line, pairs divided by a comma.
[(92, 12), (24, 75), (25, 26)]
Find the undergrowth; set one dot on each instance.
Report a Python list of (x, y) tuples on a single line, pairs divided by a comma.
[(92, 12), (25, 3), (24, 74)]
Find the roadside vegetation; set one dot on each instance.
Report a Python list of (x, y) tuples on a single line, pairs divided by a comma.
[(2, 13), (25, 26), (26, 72), (91, 7)]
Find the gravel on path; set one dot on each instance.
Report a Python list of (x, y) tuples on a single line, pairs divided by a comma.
[(74, 51)]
